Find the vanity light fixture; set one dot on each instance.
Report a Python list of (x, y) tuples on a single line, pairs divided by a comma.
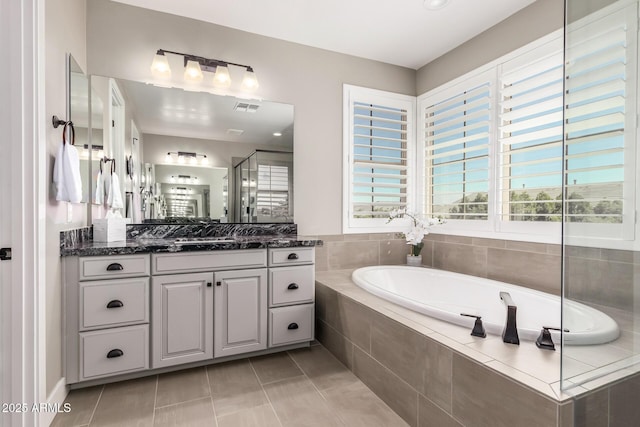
[(195, 65), (182, 157), (184, 179)]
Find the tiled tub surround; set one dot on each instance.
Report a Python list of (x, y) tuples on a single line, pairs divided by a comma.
[(434, 373)]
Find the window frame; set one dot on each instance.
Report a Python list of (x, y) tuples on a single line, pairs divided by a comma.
[(351, 95)]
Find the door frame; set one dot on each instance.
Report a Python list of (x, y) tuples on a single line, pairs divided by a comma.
[(23, 339)]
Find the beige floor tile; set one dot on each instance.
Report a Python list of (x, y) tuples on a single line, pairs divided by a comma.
[(322, 368), (194, 413), (182, 386), (235, 387), (127, 403), (298, 404), (260, 416), (275, 367), (357, 406), (83, 402)]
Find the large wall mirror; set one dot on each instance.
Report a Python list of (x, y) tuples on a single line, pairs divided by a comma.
[(174, 152)]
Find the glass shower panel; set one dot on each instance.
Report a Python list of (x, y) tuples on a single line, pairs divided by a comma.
[(600, 239)]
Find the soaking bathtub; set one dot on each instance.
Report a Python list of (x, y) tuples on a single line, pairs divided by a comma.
[(445, 295)]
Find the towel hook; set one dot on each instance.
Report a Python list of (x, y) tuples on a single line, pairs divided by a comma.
[(57, 122)]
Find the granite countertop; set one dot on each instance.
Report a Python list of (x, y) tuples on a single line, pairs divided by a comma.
[(156, 245)]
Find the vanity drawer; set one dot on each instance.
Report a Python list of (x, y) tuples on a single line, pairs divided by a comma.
[(291, 256), (109, 303), (291, 285), (288, 325), (114, 351), (208, 261), (104, 267)]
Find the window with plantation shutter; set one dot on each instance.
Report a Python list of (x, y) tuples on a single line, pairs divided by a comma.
[(272, 196), (379, 161), (456, 126), (530, 135), (600, 128)]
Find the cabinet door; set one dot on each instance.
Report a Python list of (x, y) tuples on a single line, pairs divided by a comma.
[(182, 318), (240, 312)]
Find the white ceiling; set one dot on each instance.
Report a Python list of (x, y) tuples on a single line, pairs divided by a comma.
[(400, 32)]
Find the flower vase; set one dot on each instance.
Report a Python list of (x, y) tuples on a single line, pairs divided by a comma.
[(414, 260)]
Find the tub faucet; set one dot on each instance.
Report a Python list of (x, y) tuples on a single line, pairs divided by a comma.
[(510, 331)]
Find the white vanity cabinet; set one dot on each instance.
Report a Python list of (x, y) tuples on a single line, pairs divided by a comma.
[(291, 295), (106, 316), (182, 318), (240, 311)]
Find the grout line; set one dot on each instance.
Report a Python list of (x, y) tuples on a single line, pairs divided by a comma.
[(155, 400), (95, 408), (265, 392), (213, 405)]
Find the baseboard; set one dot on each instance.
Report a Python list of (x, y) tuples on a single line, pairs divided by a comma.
[(55, 399)]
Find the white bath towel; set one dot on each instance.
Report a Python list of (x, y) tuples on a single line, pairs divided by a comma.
[(99, 198), (114, 197), (66, 172)]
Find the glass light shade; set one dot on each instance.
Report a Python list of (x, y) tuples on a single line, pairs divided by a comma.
[(193, 72), (250, 81), (222, 78), (193, 160), (204, 161), (160, 67), (168, 158), (181, 159)]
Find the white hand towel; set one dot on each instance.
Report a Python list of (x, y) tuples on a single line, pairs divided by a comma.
[(66, 174), (99, 199), (114, 198)]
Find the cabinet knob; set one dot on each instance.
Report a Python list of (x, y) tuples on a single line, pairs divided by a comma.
[(218, 283), (116, 303), (209, 284), (292, 326), (293, 256), (116, 266), (293, 286), (116, 352)]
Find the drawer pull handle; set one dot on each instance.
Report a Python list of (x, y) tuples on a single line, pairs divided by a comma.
[(115, 353), (116, 303), (115, 267), (293, 256), (293, 286), (292, 326)]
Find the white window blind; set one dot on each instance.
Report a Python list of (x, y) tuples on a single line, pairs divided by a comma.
[(272, 197), (600, 135), (457, 126), (380, 161), (530, 135)]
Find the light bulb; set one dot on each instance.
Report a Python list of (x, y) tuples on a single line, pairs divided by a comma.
[(222, 78), (250, 81), (193, 72), (160, 66)]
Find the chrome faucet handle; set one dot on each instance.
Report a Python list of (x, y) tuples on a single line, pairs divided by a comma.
[(478, 327)]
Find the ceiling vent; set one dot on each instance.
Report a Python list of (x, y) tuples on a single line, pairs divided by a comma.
[(245, 107), (235, 132)]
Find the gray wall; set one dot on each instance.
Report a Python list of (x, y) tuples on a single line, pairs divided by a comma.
[(121, 42), (64, 33), (529, 24)]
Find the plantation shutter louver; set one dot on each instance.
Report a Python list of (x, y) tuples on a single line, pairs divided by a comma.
[(599, 134), (457, 137), (380, 160), (530, 135)]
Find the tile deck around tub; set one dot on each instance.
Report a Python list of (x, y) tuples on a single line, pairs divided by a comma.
[(584, 366)]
